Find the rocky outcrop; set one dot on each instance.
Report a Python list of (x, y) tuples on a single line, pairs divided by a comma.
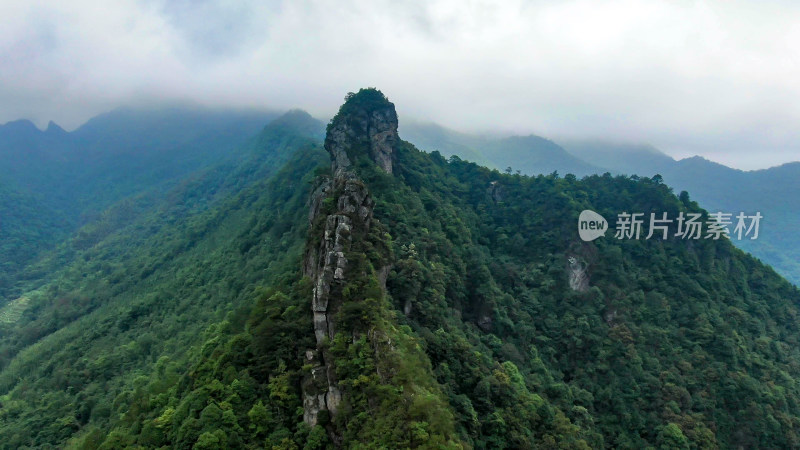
[(382, 129), (495, 191), (485, 323), (326, 265), (578, 276), (366, 124), (315, 388), (340, 210)]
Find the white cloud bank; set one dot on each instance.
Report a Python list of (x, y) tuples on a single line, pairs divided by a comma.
[(719, 79)]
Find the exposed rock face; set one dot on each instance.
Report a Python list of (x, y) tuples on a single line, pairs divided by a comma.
[(578, 278), (495, 191), (370, 128), (315, 388), (336, 143), (485, 323), (383, 137), (326, 266), (343, 204)]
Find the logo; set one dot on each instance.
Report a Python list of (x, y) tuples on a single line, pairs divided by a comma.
[(690, 225), (591, 225)]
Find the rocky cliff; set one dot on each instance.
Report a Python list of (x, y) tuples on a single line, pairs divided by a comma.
[(364, 131), (366, 127), (326, 264)]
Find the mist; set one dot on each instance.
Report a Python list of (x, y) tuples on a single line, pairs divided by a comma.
[(717, 79)]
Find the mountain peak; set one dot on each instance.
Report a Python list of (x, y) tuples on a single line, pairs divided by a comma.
[(366, 126), (299, 121), (19, 126), (54, 128)]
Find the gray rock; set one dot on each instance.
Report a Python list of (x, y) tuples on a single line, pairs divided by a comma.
[(373, 130), (364, 131), (326, 265), (495, 191), (485, 323), (578, 277)]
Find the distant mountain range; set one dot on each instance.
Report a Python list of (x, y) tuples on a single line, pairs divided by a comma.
[(775, 192), (118, 153), (528, 154), (53, 181)]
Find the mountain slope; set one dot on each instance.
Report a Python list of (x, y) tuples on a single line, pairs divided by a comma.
[(383, 297), (27, 227), (133, 300), (715, 186), (773, 192), (69, 179), (670, 342)]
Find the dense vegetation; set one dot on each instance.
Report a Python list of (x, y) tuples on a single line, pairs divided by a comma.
[(53, 181), (694, 342), (122, 304), (27, 227), (181, 320), (773, 191)]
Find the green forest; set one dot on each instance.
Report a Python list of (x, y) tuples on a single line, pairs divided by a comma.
[(183, 316)]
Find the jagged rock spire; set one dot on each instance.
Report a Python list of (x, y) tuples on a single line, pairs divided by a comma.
[(366, 125)]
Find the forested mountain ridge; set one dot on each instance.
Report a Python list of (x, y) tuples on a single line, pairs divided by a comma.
[(126, 299), (383, 297), (488, 258), (772, 191)]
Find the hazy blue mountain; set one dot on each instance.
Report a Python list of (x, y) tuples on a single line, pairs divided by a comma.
[(232, 222), (118, 153), (625, 158), (53, 181), (448, 142), (528, 154), (535, 155)]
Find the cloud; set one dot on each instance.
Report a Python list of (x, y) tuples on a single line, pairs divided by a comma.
[(710, 78)]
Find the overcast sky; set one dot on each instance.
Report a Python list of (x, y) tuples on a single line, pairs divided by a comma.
[(718, 79)]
